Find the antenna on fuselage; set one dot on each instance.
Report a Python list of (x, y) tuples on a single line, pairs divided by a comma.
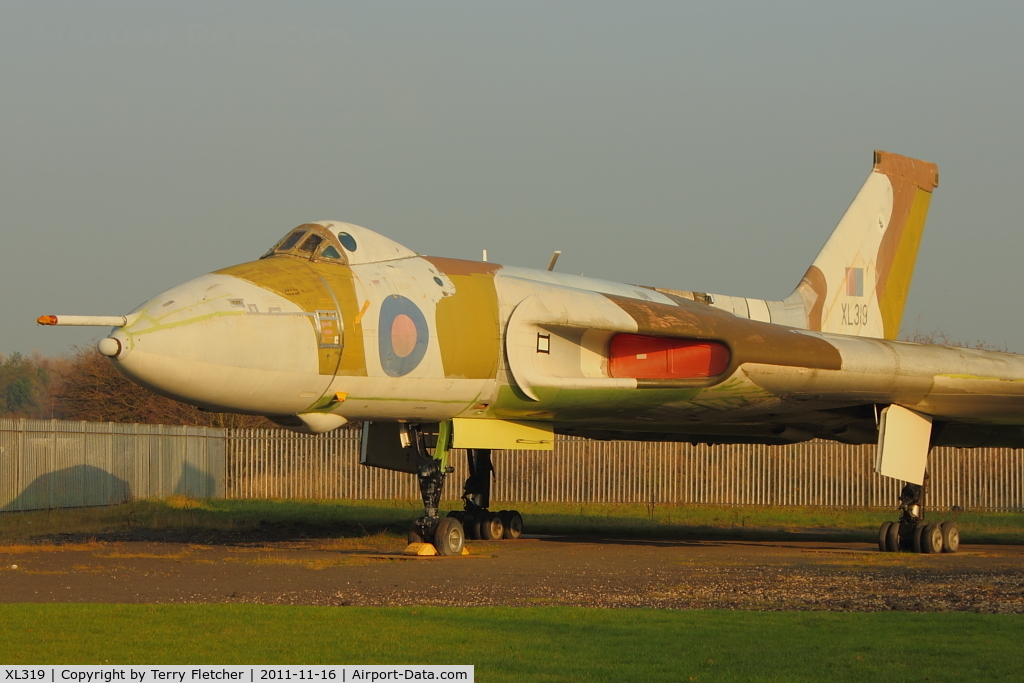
[(485, 255), (554, 260)]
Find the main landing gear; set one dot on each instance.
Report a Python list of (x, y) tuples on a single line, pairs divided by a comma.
[(912, 533), (478, 521), (475, 521)]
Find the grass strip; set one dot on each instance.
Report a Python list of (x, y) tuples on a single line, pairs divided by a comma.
[(364, 518), (535, 644)]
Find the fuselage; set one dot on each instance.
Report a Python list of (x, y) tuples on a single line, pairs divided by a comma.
[(338, 323), (392, 335), (382, 334)]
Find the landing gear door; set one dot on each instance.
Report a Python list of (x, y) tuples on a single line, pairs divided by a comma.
[(904, 437), (383, 447)]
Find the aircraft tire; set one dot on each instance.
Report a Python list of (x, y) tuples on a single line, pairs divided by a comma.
[(950, 537), (892, 538), (414, 534), (513, 524), (883, 534), (931, 539), (449, 537), (491, 527), (918, 531)]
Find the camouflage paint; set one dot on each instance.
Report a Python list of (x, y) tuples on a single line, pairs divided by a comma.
[(877, 240), (295, 280), (467, 323), (749, 341), (912, 183), (898, 267), (813, 289), (341, 281), (791, 376)]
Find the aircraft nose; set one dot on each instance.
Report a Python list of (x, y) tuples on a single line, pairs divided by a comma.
[(113, 346), (222, 343)]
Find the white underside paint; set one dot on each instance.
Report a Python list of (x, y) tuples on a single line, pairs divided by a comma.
[(225, 343), (408, 398)]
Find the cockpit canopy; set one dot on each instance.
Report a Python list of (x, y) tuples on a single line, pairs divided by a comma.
[(335, 242)]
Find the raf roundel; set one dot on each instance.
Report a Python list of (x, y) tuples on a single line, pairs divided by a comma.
[(402, 336)]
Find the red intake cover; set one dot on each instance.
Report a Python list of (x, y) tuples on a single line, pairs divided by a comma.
[(634, 355)]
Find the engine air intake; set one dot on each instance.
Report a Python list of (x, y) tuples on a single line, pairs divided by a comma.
[(643, 357)]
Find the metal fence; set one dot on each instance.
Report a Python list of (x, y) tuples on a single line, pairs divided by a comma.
[(275, 464), (50, 463), (58, 463)]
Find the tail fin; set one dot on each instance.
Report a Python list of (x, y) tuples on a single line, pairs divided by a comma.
[(859, 282)]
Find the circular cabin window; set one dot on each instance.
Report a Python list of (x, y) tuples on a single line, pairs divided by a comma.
[(347, 241)]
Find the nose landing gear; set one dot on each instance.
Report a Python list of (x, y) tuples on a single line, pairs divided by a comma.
[(912, 533), (446, 534)]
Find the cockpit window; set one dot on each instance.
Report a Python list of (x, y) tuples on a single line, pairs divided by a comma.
[(291, 240), (311, 243), (288, 243)]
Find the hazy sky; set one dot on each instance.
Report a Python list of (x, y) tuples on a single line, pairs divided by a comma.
[(712, 147)]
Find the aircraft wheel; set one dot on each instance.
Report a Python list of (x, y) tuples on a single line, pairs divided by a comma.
[(918, 531), (457, 514), (449, 537), (513, 524), (931, 539), (491, 528), (414, 534), (892, 538), (883, 534), (950, 537)]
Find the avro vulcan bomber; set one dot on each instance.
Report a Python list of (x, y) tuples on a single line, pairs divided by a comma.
[(336, 323)]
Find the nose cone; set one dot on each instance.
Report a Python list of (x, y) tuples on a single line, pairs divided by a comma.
[(222, 343)]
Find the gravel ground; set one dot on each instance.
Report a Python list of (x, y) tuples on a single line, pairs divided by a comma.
[(531, 571)]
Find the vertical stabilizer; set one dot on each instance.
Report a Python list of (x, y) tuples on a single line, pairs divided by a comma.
[(859, 282)]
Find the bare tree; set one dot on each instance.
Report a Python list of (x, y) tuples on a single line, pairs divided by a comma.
[(940, 338), (90, 388)]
